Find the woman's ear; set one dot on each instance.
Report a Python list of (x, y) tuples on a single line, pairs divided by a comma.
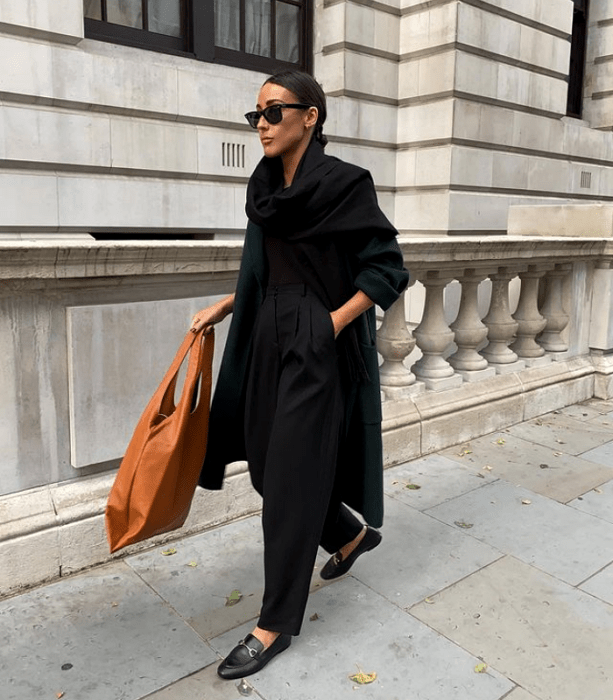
[(311, 117)]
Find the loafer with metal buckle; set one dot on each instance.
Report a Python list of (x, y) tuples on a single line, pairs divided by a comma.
[(250, 656), (337, 566)]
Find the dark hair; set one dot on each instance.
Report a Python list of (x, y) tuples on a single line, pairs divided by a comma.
[(308, 91)]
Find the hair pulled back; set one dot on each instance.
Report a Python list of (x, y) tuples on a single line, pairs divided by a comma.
[(308, 91)]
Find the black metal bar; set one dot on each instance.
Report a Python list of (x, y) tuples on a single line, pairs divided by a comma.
[(145, 13), (203, 29)]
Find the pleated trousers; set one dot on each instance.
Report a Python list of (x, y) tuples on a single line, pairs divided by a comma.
[(293, 423)]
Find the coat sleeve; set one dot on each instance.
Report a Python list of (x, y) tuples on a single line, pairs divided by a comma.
[(378, 265)]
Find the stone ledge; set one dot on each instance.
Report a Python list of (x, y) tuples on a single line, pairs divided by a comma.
[(577, 220)]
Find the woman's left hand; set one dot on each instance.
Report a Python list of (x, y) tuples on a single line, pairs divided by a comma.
[(349, 311), (338, 327)]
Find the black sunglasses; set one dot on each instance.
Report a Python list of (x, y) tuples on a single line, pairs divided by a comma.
[(272, 113)]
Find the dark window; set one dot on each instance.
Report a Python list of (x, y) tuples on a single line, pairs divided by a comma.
[(264, 35), (577, 59)]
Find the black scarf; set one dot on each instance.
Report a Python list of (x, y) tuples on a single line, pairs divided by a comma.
[(326, 197), (329, 205)]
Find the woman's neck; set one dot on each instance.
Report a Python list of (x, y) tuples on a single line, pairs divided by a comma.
[(292, 159)]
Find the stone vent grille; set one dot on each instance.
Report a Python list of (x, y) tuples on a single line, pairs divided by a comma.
[(586, 179), (232, 155)]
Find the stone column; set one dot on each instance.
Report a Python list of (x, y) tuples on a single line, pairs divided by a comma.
[(529, 320), (501, 326), (434, 336), (470, 331), (395, 343), (553, 311)]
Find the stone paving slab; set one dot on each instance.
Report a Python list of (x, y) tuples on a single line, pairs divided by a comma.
[(204, 685), (419, 556), (589, 413), (544, 470), (601, 586), (600, 455), (197, 580), (439, 479), (563, 433), (357, 628), (553, 640), (120, 639), (520, 694), (555, 538), (598, 502)]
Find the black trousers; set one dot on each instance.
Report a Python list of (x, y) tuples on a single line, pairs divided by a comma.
[(293, 423)]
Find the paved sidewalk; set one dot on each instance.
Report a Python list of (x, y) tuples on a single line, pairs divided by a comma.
[(497, 556)]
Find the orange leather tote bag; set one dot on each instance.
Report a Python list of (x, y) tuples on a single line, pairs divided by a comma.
[(157, 478)]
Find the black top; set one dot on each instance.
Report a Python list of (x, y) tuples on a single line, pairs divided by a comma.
[(283, 267)]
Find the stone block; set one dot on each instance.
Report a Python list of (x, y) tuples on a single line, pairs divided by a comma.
[(371, 75), (38, 560), (360, 26), (105, 405), (433, 166), (548, 175), (414, 32), (422, 212), (401, 444), (380, 161), (471, 166), (433, 27), (406, 175), (437, 73), (408, 80), (510, 170), (422, 122), (332, 27), (62, 18), (157, 146), (488, 31), (476, 75), (148, 203), (474, 212), (557, 395), (387, 32), (601, 317), (34, 135), (371, 121), (28, 201), (589, 220), (227, 152), (330, 71)]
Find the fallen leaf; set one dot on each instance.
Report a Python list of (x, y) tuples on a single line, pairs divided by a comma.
[(169, 552), (501, 441), (558, 454), (465, 451), (526, 502), (60, 694), (487, 468), (429, 601), (244, 688), (114, 605), (412, 487), (461, 523), (193, 564), (597, 490), (363, 678), (314, 617), (544, 466), (481, 476), (235, 597), (480, 668)]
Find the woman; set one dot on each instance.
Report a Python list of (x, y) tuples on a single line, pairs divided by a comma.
[(298, 391)]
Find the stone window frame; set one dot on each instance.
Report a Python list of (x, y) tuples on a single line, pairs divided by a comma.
[(576, 75), (198, 37)]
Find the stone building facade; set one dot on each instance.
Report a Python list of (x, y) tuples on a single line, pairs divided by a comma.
[(459, 108)]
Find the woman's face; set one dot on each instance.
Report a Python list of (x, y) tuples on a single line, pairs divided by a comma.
[(293, 132)]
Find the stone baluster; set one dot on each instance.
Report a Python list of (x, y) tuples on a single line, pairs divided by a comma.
[(529, 320), (434, 336), (553, 311), (501, 326), (395, 343), (470, 331)]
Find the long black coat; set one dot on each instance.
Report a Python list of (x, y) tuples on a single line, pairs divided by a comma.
[(376, 267)]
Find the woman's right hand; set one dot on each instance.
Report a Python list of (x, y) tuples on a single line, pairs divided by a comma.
[(207, 318)]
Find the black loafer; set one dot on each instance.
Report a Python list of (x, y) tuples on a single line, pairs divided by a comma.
[(337, 566), (249, 656)]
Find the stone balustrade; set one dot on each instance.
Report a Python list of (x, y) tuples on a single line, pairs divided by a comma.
[(511, 328)]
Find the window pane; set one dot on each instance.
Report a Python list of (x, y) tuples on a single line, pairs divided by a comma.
[(129, 13), (228, 24), (92, 9), (288, 33), (165, 17), (257, 27)]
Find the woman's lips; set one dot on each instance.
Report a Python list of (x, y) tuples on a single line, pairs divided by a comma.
[(265, 141)]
